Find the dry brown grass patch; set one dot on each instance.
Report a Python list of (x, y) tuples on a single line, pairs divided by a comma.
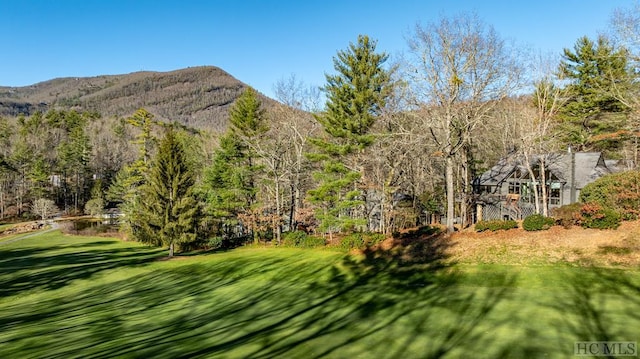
[(576, 245)]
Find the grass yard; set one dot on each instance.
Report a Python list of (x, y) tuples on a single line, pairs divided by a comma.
[(8, 238), (83, 297)]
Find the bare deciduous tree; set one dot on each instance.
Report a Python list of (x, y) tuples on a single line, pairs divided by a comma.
[(625, 24), (282, 148), (460, 69), (44, 207)]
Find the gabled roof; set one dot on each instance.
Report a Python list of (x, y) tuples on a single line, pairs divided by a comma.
[(498, 173), (589, 166)]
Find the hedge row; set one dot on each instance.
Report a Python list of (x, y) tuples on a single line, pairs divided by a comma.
[(495, 225), (301, 239), (537, 222)]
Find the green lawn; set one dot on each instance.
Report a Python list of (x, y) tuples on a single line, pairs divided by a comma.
[(80, 297), (9, 238)]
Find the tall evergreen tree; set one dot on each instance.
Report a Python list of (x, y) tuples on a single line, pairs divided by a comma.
[(592, 109), (26, 153), (74, 157), (225, 182), (247, 117), (143, 120), (248, 124), (231, 181), (125, 189), (355, 96), (95, 206), (6, 169), (169, 212)]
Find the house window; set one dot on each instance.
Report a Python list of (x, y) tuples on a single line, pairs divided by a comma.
[(554, 193), (527, 192), (514, 187)]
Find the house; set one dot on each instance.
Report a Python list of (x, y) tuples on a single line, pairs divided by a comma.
[(506, 191)]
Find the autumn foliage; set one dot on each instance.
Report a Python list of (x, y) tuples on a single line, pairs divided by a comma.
[(619, 192), (587, 215), (594, 215)]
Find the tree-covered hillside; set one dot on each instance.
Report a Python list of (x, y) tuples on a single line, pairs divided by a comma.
[(196, 97)]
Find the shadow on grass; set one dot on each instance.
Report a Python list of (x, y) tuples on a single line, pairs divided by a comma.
[(398, 302), (600, 304), (52, 267)]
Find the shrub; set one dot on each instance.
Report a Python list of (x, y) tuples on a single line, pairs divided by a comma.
[(215, 242), (312, 242), (361, 240), (537, 222), (352, 241), (371, 239), (567, 215), (301, 239), (293, 239), (495, 225), (227, 242), (618, 191), (482, 226), (593, 215)]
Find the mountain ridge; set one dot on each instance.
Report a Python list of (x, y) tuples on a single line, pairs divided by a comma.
[(197, 97)]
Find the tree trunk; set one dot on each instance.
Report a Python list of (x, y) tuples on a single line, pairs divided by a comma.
[(277, 226), (635, 152), (543, 186), (464, 209), (450, 192), (533, 182), (65, 192), (21, 191), (383, 217), (171, 250), (292, 209), (76, 194), (1, 199)]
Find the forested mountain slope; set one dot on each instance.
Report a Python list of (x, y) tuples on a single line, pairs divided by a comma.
[(196, 96)]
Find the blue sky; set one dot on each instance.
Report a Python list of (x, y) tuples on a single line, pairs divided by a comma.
[(258, 42)]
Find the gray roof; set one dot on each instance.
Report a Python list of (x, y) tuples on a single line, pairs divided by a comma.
[(589, 166), (619, 165)]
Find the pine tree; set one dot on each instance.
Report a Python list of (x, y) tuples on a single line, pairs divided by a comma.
[(247, 117), (592, 109), (95, 206), (355, 97), (143, 120), (248, 124), (231, 181), (74, 153), (226, 185), (39, 178), (126, 186), (169, 211)]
